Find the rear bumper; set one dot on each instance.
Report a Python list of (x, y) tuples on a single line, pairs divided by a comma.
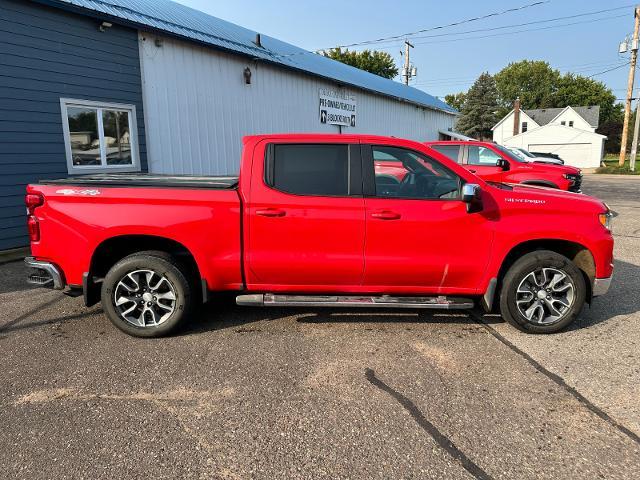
[(44, 274), (601, 286)]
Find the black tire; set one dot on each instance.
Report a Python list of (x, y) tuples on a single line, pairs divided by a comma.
[(176, 282), (522, 268)]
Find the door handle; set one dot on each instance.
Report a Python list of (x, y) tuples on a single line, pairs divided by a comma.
[(271, 212), (386, 215), (472, 171)]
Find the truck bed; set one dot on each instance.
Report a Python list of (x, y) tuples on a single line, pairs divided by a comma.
[(148, 180)]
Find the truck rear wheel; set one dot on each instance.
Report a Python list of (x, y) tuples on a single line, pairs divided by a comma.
[(542, 292), (147, 294)]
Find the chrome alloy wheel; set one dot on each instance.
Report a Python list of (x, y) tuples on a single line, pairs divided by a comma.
[(144, 298), (545, 295)]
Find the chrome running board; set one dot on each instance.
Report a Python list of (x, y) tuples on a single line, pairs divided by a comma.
[(384, 301)]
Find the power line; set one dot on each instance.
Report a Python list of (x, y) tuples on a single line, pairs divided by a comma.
[(609, 70), (435, 82), (537, 22), (460, 22), (398, 38), (480, 37)]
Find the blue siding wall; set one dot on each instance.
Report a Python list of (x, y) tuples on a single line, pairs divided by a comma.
[(47, 54)]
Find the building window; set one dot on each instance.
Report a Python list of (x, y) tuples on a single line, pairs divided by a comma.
[(563, 123), (571, 123), (525, 127), (99, 137)]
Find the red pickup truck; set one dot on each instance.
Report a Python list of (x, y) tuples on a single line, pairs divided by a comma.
[(495, 163), (320, 220)]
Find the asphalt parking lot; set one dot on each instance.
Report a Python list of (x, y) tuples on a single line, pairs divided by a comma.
[(258, 393)]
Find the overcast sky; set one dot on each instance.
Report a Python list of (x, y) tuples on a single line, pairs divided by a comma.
[(450, 63)]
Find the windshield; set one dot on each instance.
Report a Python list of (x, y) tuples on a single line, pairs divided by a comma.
[(526, 152), (508, 153)]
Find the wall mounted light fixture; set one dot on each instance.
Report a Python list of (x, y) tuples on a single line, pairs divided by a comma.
[(104, 26), (247, 76)]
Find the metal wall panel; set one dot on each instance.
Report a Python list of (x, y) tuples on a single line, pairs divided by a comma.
[(198, 107), (46, 54), (186, 23)]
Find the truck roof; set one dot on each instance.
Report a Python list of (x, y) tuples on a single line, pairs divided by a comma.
[(324, 137)]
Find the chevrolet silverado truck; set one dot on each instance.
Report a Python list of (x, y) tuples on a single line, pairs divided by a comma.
[(320, 220), (496, 163)]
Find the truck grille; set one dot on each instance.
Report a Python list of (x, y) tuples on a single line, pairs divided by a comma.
[(576, 185)]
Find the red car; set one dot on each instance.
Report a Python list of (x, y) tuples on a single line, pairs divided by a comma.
[(494, 163), (320, 220)]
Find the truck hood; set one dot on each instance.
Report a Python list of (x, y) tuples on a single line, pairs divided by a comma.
[(553, 168), (547, 160), (531, 194)]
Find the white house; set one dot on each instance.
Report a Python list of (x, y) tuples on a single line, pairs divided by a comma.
[(569, 132)]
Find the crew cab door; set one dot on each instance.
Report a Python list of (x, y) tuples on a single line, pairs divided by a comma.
[(305, 218), (420, 237), (482, 161)]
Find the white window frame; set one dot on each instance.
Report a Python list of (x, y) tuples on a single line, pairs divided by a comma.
[(65, 103)]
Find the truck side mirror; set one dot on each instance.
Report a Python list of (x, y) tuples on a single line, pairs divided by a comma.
[(471, 196), (503, 164)]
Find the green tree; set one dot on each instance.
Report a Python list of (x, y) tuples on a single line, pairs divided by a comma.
[(373, 61), (534, 81), (478, 114), (577, 90), (456, 100)]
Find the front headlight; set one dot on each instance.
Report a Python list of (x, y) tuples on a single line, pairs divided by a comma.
[(606, 220)]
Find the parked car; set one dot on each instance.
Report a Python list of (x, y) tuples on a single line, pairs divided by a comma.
[(320, 220), (548, 155), (526, 155), (495, 163)]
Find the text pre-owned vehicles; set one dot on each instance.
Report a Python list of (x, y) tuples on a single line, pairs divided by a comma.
[(495, 163), (320, 220)]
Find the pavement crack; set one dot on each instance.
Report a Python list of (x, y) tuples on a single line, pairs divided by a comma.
[(442, 440), (559, 381)]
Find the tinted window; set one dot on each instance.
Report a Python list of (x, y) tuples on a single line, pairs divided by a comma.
[(401, 173), (482, 156), (450, 151), (311, 169)]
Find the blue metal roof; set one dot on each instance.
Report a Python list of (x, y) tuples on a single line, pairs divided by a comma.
[(185, 22)]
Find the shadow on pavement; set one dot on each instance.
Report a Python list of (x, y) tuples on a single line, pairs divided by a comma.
[(13, 277), (623, 298), (222, 313)]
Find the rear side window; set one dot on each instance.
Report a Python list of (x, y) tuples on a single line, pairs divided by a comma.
[(482, 156), (449, 151), (311, 169)]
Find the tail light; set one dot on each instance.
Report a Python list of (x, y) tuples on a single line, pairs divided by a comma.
[(34, 228), (33, 200)]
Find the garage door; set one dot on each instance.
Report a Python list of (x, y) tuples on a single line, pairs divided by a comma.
[(576, 154)]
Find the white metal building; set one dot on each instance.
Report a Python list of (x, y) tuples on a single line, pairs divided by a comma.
[(198, 106), (207, 82)]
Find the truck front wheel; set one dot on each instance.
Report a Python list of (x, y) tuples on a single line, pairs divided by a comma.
[(147, 294), (542, 292)]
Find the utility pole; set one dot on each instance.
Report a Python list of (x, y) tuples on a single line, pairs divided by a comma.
[(634, 144), (406, 71), (632, 72)]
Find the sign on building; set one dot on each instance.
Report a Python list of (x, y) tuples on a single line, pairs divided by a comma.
[(337, 108)]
